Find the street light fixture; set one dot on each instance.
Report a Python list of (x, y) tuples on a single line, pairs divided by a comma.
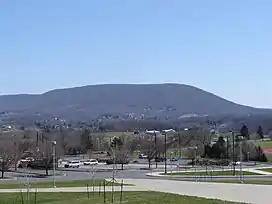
[(233, 152), (195, 149), (240, 138), (154, 132), (54, 143), (164, 132)]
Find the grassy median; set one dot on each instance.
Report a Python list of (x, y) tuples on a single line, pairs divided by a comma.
[(75, 183), (266, 170), (127, 197), (210, 173)]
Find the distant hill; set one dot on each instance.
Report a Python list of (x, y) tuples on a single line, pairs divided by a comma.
[(172, 100)]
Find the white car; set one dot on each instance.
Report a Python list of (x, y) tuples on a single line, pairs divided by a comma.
[(72, 164), (90, 162), (236, 163)]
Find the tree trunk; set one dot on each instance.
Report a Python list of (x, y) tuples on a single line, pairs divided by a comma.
[(149, 163), (2, 170), (16, 162), (46, 169)]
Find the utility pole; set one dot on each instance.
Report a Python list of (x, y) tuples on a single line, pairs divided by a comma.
[(233, 151), (156, 155), (227, 148), (165, 159), (195, 149), (241, 159), (179, 141), (54, 162)]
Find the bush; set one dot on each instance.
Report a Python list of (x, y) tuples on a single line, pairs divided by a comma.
[(210, 162)]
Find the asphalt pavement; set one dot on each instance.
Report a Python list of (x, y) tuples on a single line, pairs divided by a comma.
[(102, 171)]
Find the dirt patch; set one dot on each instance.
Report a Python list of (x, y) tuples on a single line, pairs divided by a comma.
[(267, 150)]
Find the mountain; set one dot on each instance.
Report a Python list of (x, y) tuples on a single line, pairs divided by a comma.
[(161, 100)]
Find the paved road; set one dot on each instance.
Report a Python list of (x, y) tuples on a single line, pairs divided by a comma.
[(132, 171), (255, 194)]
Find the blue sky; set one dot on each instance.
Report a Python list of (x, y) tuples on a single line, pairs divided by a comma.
[(222, 46)]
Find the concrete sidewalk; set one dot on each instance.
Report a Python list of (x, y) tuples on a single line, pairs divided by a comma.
[(255, 194)]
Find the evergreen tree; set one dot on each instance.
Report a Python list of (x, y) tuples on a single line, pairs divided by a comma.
[(244, 132), (86, 141), (260, 132)]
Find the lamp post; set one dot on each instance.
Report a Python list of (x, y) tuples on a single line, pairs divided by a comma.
[(233, 151), (195, 149), (241, 160), (165, 159), (171, 166), (227, 153), (156, 155), (54, 162)]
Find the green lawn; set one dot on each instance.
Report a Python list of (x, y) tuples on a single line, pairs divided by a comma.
[(128, 197), (261, 182), (75, 183), (264, 144), (214, 173), (266, 170)]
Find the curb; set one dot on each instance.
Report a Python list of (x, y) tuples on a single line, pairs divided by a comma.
[(160, 174)]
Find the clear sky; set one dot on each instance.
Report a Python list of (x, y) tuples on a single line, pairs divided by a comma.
[(222, 46)]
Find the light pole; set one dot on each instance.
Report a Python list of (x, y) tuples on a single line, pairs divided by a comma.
[(54, 162), (241, 159), (156, 155), (233, 151), (195, 149), (171, 164), (165, 159), (179, 141), (227, 153)]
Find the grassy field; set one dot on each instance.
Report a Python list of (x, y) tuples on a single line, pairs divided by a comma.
[(266, 170), (214, 173), (264, 144), (75, 183), (128, 197)]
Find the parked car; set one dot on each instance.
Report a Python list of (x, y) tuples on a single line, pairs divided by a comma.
[(142, 156), (72, 164), (44, 163), (236, 163), (173, 159), (110, 161), (64, 161), (90, 162), (159, 159)]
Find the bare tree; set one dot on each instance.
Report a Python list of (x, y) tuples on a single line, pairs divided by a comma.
[(122, 148), (7, 155), (148, 147)]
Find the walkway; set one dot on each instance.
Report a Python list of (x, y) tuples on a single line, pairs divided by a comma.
[(255, 194)]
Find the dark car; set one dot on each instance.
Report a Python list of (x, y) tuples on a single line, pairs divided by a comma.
[(173, 159), (159, 159), (41, 164), (111, 161)]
